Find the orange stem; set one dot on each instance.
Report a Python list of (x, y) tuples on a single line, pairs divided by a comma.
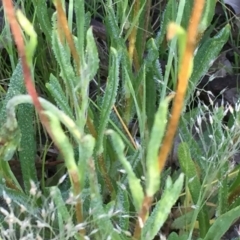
[(63, 24), (183, 77), (177, 105)]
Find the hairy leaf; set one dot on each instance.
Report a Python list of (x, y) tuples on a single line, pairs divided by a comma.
[(109, 98), (134, 182), (157, 133), (59, 96), (162, 208)]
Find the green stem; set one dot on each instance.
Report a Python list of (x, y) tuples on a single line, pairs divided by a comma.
[(66, 120)]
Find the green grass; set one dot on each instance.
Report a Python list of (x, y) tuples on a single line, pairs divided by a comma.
[(105, 149)]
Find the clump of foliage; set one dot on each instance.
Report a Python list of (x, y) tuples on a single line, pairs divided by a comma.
[(116, 184)]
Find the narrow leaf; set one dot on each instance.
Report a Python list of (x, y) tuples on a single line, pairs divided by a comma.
[(27, 153), (122, 205), (208, 14), (193, 181), (59, 96), (222, 224), (64, 216), (91, 56), (102, 220), (166, 19), (63, 59), (61, 140), (205, 55), (163, 208), (16, 87), (109, 98), (134, 182), (158, 129), (86, 147), (43, 17), (223, 189)]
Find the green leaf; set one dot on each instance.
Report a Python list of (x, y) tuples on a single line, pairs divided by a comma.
[(175, 236), (112, 27), (158, 72), (62, 141), (10, 140), (19, 198), (65, 119), (122, 205), (182, 221), (187, 13), (10, 134), (109, 98), (62, 55), (140, 23), (6, 172), (235, 201), (135, 161), (173, 45), (59, 96), (167, 17), (80, 22), (223, 189), (236, 182), (151, 96), (27, 153), (152, 53), (205, 55), (86, 147), (222, 224), (91, 56), (31, 43), (139, 108), (134, 182), (101, 218), (130, 86), (162, 208), (194, 184), (87, 73), (207, 16), (102, 221), (135, 22), (43, 17), (158, 129), (63, 215), (16, 87)]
